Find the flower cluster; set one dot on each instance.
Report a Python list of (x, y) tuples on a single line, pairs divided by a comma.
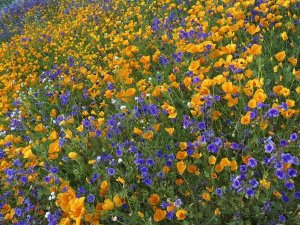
[(149, 112)]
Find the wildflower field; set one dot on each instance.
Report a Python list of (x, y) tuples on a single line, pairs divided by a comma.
[(150, 112)]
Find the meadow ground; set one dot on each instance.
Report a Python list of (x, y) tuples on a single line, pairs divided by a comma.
[(149, 112)]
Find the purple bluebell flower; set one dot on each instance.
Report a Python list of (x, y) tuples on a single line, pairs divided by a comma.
[(217, 98), (201, 125), (278, 165), (283, 143), (281, 218), (252, 162), (293, 137), (150, 162), (285, 198), (292, 172), (249, 192), (234, 146), (219, 191), (91, 198), (287, 158), (212, 148), (269, 147), (253, 183), (110, 171), (243, 168), (289, 185), (64, 98), (164, 204), (236, 183), (272, 113), (147, 181), (54, 169), (18, 211), (163, 61), (170, 215), (178, 202), (280, 174)]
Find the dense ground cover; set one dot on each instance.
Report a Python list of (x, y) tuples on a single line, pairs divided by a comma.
[(149, 112)]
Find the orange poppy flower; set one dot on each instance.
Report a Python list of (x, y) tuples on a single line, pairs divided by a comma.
[(219, 168), (181, 214), (252, 103), (192, 168), (54, 147), (104, 188), (130, 92), (159, 215), (280, 56), (181, 166), (245, 120), (179, 181), (137, 131), (255, 50), (154, 199), (181, 155), (148, 135), (77, 209)]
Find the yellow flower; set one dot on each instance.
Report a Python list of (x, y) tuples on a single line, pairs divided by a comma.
[(225, 162), (284, 36), (206, 196), (108, 204), (80, 128), (39, 128), (140, 214), (130, 92), (77, 209), (194, 65), (27, 153), (233, 165), (212, 160), (182, 145), (68, 134), (53, 113), (121, 180), (217, 212), (118, 201), (64, 199), (170, 130), (145, 59), (53, 135), (266, 184)]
